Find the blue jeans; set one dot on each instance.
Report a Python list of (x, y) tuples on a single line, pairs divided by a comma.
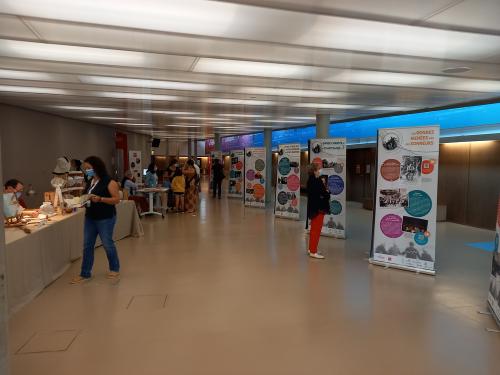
[(104, 228)]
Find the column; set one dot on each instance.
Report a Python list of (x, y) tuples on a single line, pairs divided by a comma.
[(322, 125), (268, 133), (217, 141), (190, 147), (195, 145), (4, 363)]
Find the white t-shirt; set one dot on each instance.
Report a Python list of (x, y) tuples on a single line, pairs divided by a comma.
[(197, 169)]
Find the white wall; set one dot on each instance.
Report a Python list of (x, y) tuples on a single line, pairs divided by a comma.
[(32, 141)]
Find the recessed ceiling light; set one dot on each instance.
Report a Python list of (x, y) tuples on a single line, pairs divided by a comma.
[(291, 92), (77, 54), (82, 108), (250, 68), (368, 77), (33, 90), (457, 70), (133, 82), (21, 74), (137, 96), (237, 101), (327, 105)]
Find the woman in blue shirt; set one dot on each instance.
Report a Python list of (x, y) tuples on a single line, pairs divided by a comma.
[(151, 179)]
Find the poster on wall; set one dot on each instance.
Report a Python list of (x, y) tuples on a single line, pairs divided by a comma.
[(235, 189), (287, 202), (330, 154), (405, 206), (135, 165), (494, 292), (255, 177)]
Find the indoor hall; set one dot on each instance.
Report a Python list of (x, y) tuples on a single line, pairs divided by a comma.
[(201, 149)]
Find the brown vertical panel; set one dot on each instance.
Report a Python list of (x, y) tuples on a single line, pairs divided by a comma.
[(453, 180), (484, 184)]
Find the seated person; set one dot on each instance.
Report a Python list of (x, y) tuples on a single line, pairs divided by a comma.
[(16, 187), (129, 184)]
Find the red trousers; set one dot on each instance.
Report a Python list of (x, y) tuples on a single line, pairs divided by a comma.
[(315, 232)]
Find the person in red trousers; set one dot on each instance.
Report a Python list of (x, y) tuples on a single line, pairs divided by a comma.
[(318, 205)]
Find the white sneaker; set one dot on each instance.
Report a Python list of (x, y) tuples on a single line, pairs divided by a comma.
[(316, 255)]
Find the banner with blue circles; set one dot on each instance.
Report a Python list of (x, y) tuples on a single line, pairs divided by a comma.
[(255, 177), (494, 291), (236, 174), (287, 204)]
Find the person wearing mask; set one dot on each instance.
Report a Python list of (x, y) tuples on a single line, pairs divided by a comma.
[(318, 205), (76, 165), (218, 176), (179, 188), (129, 184), (191, 197), (16, 187), (100, 219), (151, 179)]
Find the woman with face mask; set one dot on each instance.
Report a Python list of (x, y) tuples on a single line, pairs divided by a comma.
[(318, 205), (100, 218)]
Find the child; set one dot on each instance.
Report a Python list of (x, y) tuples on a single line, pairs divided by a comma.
[(179, 187)]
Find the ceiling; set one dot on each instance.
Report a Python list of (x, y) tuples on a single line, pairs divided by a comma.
[(192, 68)]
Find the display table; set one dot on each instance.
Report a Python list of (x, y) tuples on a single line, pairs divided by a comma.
[(35, 260), (151, 192)]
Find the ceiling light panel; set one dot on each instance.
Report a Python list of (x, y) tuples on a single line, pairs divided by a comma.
[(111, 118), (137, 96), (227, 20), (202, 118), (154, 111), (91, 109), (148, 83), (290, 92), (366, 77), (238, 101), (327, 105), (32, 90), (20, 74), (242, 115), (282, 121)]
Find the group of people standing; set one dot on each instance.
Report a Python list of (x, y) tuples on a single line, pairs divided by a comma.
[(184, 186)]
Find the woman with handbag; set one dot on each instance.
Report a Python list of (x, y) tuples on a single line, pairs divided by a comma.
[(318, 205)]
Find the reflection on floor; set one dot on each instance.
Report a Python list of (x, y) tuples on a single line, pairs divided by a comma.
[(231, 291)]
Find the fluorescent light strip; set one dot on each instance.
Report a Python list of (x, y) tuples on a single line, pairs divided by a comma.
[(20, 74), (134, 82), (168, 112), (184, 126), (133, 124), (240, 115), (310, 118), (237, 101), (290, 92), (76, 54), (384, 108), (327, 105), (81, 108), (32, 90), (368, 77), (202, 118), (111, 118), (282, 121), (137, 96)]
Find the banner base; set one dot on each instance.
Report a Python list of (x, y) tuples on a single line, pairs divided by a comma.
[(497, 320), (401, 267)]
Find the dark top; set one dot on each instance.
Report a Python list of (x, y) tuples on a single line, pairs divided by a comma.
[(218, 171), (318, 197), (99, 210)]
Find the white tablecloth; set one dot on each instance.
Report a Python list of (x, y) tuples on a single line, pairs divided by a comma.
[(37, 259)]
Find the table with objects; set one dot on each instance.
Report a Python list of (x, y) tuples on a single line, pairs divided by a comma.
[(36, 259)]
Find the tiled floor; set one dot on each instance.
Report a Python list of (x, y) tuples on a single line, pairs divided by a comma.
[(231, 291)]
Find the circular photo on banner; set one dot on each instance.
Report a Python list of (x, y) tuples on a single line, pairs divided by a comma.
[(390, 170), (295, 202), (428, 166), (284, 166), (335, 184), (391, 141), (419, 203), (258, 191), (316, 148), (239, 165), (260, 164), (232, 174), (238, 187), (390, 225), (421, 239), (318, 161), (293, 182), (250, 175), (335, 207), (338, 167), (282, 198)]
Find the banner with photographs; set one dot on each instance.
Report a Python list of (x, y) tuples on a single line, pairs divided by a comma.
[(235, 189), (494, 293), (135, 165), (287, 203), (255, 177), (330, 154), (404, 227)]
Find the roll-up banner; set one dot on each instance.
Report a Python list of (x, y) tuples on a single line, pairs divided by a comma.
[(255, 177), (287, 203), (135, 165), (236, 186), (330, 154), (405, 203), (494, 293)]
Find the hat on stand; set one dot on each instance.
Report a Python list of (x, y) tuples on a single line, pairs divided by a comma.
[(62, 166)]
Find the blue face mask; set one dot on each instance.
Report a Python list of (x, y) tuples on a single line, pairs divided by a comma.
[(90, 173)]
